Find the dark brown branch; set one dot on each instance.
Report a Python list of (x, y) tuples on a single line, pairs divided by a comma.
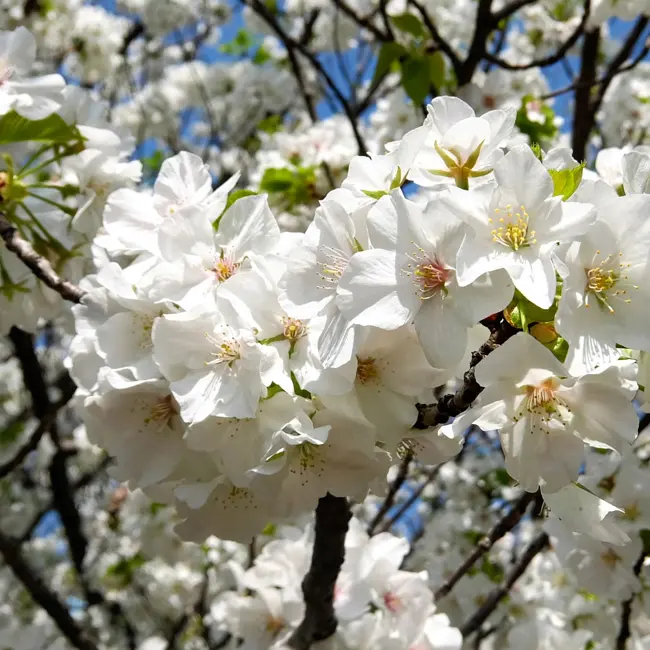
[(362, 21), (482, 28), (290, 43), (43, 596), (558, 55), (319, 622), (431, 476), (453, 404), (499, 593), (503, 526), (583, 116), (626, 608), (86, 479), (642, 54), (44, 425), (38, 265), (621, 57), (510, 9), (436, 36), (392, 492)]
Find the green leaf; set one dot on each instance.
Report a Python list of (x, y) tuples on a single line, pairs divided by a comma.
[(535, 130), (232, 197), (272, 390), (398, 180), (301, 392), (566, 181), (523, 313), (375, 194), (416, 78), (15, 128), (537, 150), (492, 570), (261, 56), (277, 180), (12, 433), (156, 507), (409, 23), (269, 530), (270, 124), (437, 69), (388, 54)]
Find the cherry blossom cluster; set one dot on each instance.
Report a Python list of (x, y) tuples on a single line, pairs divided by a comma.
[(242, 373)]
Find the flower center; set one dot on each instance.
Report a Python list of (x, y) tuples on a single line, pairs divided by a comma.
[(392, 602), (428, 273), (543, 404), (366, 370), (274, 624), (604, 282), (163, 410), (225, 268), (331, 269), (611, 558), (294, 329), (227, 350), (513, 228)]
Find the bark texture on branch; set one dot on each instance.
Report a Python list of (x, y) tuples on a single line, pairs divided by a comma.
[(38, 265), (319, 623), (453, 404)]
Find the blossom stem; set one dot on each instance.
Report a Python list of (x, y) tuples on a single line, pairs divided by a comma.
[(319, 622)]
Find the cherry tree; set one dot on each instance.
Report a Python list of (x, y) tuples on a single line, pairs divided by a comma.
[(324, 324)]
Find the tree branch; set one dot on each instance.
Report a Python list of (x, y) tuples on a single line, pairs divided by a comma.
[(499, 593), (39, 266), (503, 526), (551, 59), (431, 476), (626, 608), (583, 116), (453, 404), (43, 596), (319, 622), (392, 492)]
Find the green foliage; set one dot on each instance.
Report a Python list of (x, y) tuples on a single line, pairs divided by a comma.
[(388, 57), (122, 571), (522, 313), (536, 131), (151, 164), (243, 44), (491, 482), (270, 124), (409, 23), (296, 186), (417, 76), (566, 181), (52, 129), (12, 433), (234, 196)]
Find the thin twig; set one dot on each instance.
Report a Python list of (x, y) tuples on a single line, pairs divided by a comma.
[(503, 526), (38, 265), (552, 59), (392, 492), (499, 593), (430, 477)]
